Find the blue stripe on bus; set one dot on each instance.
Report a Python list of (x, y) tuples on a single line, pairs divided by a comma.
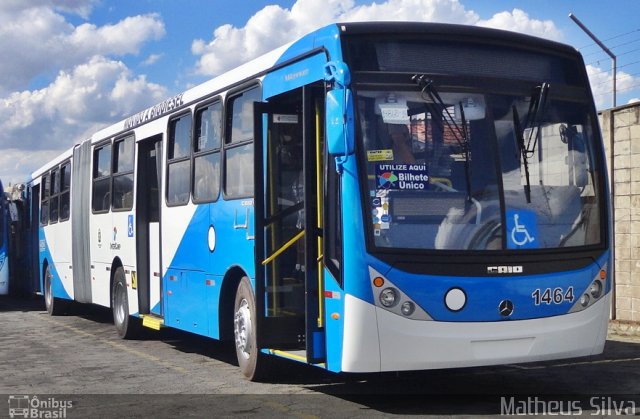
[(57, 288), (193, 281)]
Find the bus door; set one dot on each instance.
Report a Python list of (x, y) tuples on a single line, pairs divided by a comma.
[(288, 224), (149, 167), (33, 238)]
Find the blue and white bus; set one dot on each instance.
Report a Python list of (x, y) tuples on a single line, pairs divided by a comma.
[(4, 242), (370, 197)]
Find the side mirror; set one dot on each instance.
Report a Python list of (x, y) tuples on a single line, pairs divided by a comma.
[(339, 129), (339, 122)]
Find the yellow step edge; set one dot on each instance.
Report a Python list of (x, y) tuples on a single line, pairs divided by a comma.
[(289, 355), (151, 322), (295, 357)]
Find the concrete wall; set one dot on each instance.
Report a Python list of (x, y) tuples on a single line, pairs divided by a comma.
[(623, 155)]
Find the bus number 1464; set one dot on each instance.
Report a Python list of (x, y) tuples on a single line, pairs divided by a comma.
[(552, 296)]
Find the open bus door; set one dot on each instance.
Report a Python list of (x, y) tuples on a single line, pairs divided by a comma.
[(288, 188), (147, 228)]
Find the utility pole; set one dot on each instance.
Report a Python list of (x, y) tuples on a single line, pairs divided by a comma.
[(604, 48)]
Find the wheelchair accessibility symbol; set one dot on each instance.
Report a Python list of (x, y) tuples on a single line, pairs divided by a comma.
[(522, 229), (130, 226)]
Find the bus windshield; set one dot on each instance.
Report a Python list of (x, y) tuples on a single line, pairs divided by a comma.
[(479, 170)]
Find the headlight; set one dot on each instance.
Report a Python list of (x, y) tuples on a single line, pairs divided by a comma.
[(407, 308), (388, 297), (391, 298), (584, 300), (595, 289)]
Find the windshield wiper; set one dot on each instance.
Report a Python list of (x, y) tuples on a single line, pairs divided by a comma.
[(459, 132), (536, 108), (523, 152), (532, 123)]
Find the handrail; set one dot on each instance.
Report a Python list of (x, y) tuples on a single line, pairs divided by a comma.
[(283, 248)]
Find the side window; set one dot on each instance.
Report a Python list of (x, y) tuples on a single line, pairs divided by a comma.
[(44, 199), (123, 153), (179, 160), (101, 198), (206, 151), (239, 145), (65, 188), (54, 197)]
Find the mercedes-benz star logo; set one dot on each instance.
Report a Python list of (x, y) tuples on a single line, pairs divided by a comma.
[(505, 308)]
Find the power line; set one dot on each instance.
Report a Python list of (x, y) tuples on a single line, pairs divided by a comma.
[(619, 78), (617, 54), (613, 47), (613, 37), (619, 67), (626, 89)]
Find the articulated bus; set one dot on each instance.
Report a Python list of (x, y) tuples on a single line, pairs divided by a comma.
[(371, 197), (4, 242)]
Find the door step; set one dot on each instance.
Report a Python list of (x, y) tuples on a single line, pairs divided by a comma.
[(151, 321), (300, 356)]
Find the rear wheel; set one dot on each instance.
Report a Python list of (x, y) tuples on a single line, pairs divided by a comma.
[(55, 306), (252, 362), (127, 327)]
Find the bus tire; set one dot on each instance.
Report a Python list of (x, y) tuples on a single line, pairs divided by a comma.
[(55, 306), (252, 362), (127, 327)]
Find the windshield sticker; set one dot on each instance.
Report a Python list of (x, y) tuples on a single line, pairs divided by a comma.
[(402, 176), (380, 213), (380, 155), (522, 229)]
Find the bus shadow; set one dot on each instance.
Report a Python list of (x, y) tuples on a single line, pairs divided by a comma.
[(593, 385), (462, 391), (190, 343), (11, 303)]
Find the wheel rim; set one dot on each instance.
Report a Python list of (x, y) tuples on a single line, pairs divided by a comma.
[(243, 329), (119, 309), (48, 295)]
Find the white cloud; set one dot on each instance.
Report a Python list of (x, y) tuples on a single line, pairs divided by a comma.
[(151, 59), (125, 37), (519, 21), (79, 7), (16, 164), (443, 11), (76, 104), (273, 26), (602, 85), (88, 87), (38, 39)]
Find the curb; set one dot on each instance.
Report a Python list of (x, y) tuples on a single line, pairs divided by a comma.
[(624, 328)]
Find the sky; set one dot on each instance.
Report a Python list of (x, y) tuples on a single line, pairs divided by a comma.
[(71, 67)]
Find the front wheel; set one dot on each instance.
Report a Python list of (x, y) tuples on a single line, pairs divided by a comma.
[(252, 362), (55, 306), (127, 327)]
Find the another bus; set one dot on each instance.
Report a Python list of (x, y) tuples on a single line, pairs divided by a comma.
[(4, 242), (371, 197)]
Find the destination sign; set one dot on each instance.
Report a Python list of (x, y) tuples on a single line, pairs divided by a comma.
[(155, 111)]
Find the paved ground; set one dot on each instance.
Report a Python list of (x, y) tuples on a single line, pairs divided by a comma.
[(78, 359)]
